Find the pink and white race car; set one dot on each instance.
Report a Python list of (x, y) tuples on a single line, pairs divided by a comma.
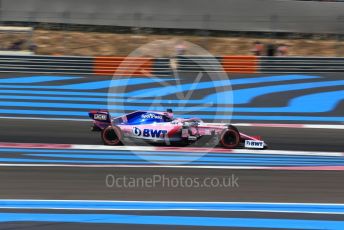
[(163, 128)]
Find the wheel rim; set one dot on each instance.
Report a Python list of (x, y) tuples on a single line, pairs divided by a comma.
[(230, 139), (110, 136)]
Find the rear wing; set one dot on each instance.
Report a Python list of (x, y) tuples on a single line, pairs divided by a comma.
[(100, 115)]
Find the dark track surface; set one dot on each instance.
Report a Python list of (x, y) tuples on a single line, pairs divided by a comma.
[(89, 183), (78, 132)]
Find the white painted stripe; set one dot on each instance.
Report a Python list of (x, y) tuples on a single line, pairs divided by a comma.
[(177, 202), (281, 168), (46, 119), (285, 152), (265, 125), (173, 209), (292, 126), (167, 149), (131, 166), (248, 151), (114, 202), (121, 148), (314, 126)]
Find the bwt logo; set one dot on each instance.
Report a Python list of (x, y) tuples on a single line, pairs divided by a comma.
[(137, 131), (254, 144), (149, 132)]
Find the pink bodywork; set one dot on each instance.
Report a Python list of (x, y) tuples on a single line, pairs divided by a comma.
[(172, 130)]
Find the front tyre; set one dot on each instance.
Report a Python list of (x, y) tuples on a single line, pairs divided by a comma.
[(230, 138), (112, 135)]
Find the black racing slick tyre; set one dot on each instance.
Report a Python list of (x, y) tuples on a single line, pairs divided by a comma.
[(233, 127), (230, 138), (112, 135)]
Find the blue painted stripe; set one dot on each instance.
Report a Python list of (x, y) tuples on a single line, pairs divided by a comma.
[(322, 102), (55, 98), (121, 82), (35, 79), (156, 162), (171, 205), (246, 95), (54, 105), (89, 85), (113, 83), (60, 93), (86, 162), (171, 153), (278, 78), (215, 99), (239, 96), (105, 106), (311, 103), (96, 99), (44, 112), (173, 89), (173, 220), (317, 102), (132, 157), (196, 158), (94, 84), (280, 118), (144, 157), (202, 116)]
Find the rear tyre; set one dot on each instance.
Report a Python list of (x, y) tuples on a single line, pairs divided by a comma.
[(112, 135), (230, 138)]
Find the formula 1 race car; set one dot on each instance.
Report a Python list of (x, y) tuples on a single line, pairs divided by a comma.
[(162, 127)]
